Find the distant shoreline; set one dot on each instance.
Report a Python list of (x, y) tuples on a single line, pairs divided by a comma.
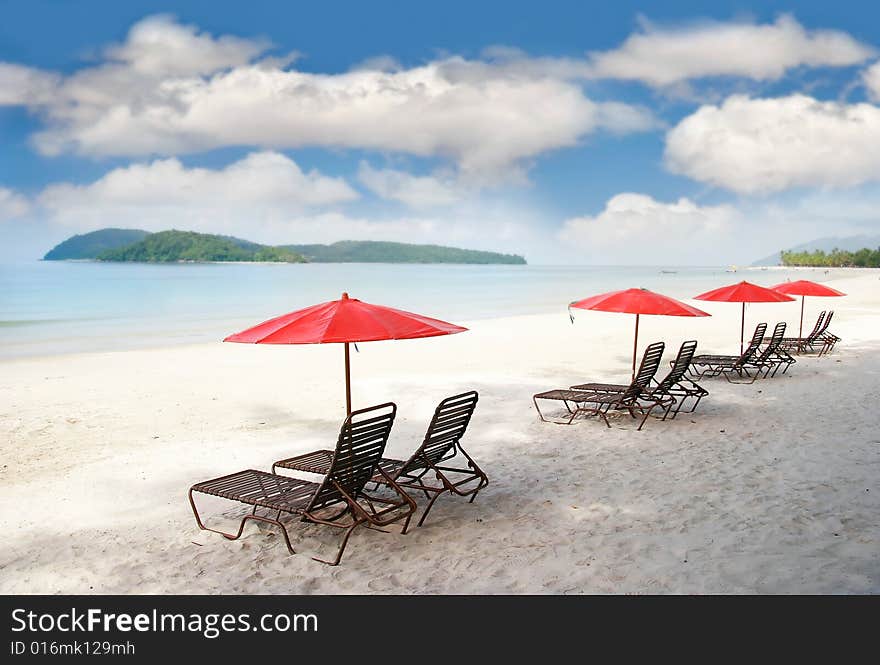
[(280, 263), (810, 268)]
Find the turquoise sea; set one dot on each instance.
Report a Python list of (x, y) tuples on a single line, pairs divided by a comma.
[(49, 307)]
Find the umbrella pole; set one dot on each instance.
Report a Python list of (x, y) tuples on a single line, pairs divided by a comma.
[(635, 346), (801, 327), (742, 330), (347, 381)]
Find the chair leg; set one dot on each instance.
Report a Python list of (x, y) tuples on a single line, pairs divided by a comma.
[(647, 413), (429, 506), (538, 409), (342, 545), (245, 519)]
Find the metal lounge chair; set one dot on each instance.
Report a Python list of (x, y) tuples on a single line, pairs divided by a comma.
[(674, 384), (635, 399), (442, 442), (771, 358), (774, 356), (707, 366), (829, 338), (801, 344), (824, 340), (353, 463)]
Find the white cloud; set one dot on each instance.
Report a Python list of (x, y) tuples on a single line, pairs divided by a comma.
[(165, 194), (12, 204), (637, 229), (414, 191), (159, 46), (758, 146), (662, 56), (169, 90), (871, 79), (263, 197), (266, 197), (20, 85)]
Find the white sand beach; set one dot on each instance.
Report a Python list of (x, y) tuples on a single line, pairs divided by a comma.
[(767, 488)]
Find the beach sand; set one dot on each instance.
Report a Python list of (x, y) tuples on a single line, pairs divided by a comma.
[(767, 488)]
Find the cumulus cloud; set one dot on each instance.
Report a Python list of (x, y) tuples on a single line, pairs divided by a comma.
[(756, 146), (638, 229), (263, 197), (159, 46), (12, 204), (414, 191), (662, 56), (164, 194), (20, 85), (871, 79), (170, 89)]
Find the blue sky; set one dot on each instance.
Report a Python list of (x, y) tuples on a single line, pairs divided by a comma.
[(569, 132)]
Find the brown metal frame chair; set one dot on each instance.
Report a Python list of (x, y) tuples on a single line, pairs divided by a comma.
[(353, 463), (674, 384), (774, 356), (718, 365), (801, 344), (636, 397), (442, 442), (829, 338)]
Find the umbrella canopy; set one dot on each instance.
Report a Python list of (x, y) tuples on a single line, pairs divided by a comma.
[(803, 288), (744, 292), (344, 321), (638, 302)]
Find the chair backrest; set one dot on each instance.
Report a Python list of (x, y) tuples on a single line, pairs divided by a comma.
[(450, 421), (361, 442), (647, 370), (817, 329), (679, 367), (827, 322), (752, 349), (773, 347)]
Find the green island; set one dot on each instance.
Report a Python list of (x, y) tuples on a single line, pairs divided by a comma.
[(90, 245), (132, 245), (836, 258), (372, 251), (184, 246)]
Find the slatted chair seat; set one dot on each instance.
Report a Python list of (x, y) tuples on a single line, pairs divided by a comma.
[(359, 447), (576, 395), (259, 488), (635, 398), (602, 387), (442, 442)]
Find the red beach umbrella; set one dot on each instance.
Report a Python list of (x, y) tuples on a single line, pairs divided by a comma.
[(744, 292), (638, 302), (803, 288), (344, 321)]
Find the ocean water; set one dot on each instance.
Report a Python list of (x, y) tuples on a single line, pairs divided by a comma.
[(52, 307)]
